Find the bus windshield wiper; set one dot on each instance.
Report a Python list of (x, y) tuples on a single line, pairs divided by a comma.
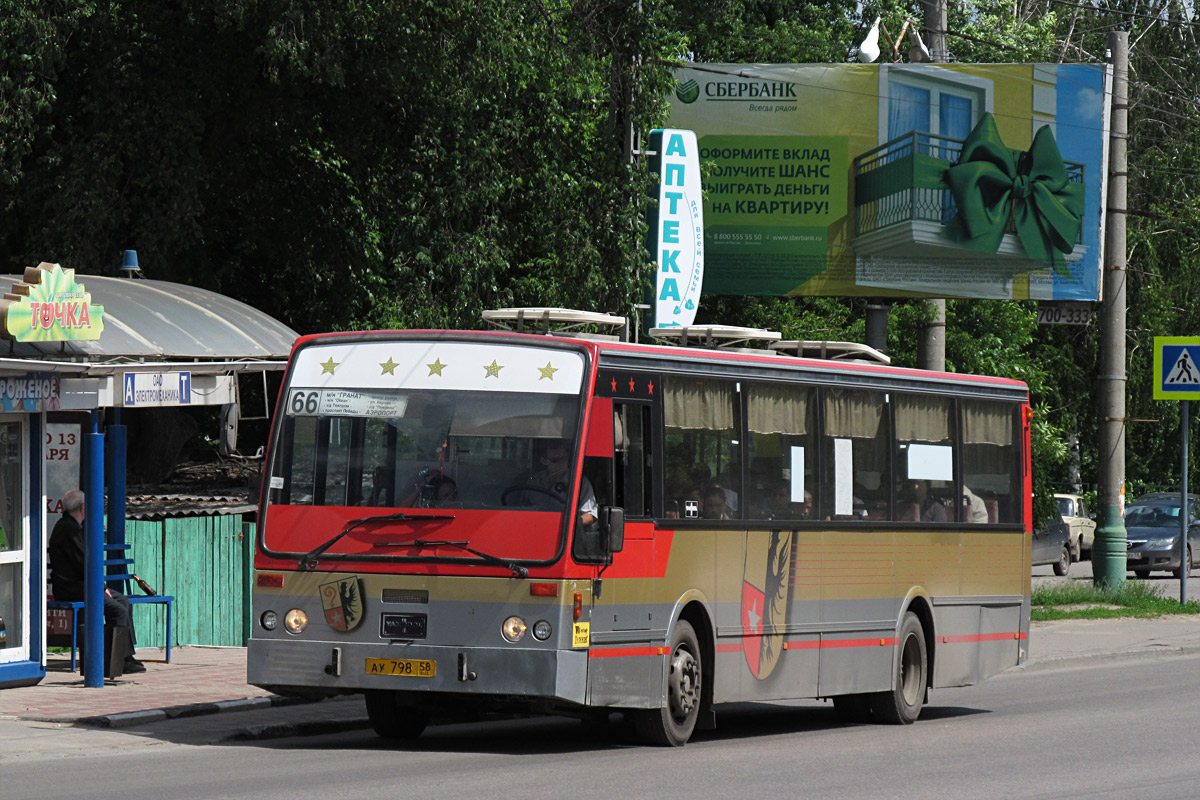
[(309, 559), (517, 570)]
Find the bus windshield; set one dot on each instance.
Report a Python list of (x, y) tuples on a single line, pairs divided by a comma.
[(471, 437)]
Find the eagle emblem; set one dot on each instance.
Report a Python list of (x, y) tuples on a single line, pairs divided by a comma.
[(343, 603)]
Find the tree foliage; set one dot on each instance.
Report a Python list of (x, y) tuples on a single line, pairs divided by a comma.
[(388, 163)]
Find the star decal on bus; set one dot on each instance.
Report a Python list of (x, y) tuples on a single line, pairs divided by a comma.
[(329, 366), (493, 370), (547, 371), (436, 367), (388, 367)]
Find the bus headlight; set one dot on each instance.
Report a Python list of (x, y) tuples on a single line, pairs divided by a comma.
[(542, 630), (513, 629), (268, 620), (295, 621)]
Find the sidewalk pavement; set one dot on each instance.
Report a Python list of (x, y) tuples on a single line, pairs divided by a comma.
[(206, 680)]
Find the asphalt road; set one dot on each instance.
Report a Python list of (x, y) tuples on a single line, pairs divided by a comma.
[(1114, 730)]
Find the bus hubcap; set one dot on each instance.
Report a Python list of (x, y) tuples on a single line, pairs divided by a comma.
[(684, 683)]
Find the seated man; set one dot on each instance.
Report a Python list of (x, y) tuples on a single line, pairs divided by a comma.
[(67, 570)]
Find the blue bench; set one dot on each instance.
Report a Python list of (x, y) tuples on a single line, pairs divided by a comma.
[(123, 581)]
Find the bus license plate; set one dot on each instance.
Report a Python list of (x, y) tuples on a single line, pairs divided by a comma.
[(408, 667)]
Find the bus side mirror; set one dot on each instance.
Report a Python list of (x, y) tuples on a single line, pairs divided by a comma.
[(612, 528)]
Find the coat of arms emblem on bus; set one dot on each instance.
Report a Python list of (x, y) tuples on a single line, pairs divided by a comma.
[(343, 603), (765, 588)]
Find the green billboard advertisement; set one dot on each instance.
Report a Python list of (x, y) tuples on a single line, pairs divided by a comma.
[(947, 180)]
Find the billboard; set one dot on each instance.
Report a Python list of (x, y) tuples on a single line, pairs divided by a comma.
[(943, 180)]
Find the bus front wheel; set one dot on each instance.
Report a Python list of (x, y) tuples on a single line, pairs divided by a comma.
[(392, 720), (902, 705), (673, 723)]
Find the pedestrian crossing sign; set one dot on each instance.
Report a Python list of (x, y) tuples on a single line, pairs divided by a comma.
[(1177, 367)]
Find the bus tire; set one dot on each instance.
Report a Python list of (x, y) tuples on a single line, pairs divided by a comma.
[(672, 724), (902, 705), (392, 720)]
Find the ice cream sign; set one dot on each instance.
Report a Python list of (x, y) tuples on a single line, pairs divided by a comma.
[(49, 306)]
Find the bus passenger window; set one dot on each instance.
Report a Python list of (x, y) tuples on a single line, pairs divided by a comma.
[(702, 446), (782, 466), (924, 459), (991, 463), (855, 453)]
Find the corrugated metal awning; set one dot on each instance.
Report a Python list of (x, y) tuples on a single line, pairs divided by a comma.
[(159, 320)]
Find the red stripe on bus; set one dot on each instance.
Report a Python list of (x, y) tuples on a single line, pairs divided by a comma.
[(625, 652), (878, 642), (986, 637)]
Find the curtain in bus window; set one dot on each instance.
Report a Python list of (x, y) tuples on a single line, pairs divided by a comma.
[(698, 404), (924, 459), (854, 481), (990, 463), (703, 454), (781, 460)]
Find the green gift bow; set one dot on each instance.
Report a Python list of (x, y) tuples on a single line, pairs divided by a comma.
[(990, 182)]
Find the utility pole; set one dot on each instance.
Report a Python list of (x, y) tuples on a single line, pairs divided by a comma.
[(931, 346), (1108, 551)]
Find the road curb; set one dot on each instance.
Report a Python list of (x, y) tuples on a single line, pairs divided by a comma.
[(130, 718), (1082, 659)]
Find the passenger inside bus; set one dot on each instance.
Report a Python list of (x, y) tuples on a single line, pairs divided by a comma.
[(974, 509), (431, 491), (918, 503), (713, 504)]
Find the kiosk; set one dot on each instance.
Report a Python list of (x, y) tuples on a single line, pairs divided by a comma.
[(97, 345)]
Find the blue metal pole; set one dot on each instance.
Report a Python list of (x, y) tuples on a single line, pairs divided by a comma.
[(93, 582), (115, 472)]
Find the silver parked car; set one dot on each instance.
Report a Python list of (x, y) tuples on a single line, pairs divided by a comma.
[(1152, 530)]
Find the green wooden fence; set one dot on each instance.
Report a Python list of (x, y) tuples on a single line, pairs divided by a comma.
[(205, 562)]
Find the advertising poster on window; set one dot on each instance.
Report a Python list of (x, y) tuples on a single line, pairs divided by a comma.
[(944, 180)]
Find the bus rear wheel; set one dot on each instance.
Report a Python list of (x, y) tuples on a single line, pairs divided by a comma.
[(392, 720), (902, 705), (672, 724)]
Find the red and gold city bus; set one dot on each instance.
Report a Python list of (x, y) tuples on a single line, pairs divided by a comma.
[(549, 523)]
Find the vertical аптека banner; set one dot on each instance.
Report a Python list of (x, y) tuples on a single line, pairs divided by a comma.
[(949, 180)]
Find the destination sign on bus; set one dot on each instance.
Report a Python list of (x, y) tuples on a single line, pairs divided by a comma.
[(345, 403)]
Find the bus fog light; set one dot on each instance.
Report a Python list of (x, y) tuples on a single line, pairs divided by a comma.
[(268, 620), (513, 629), (541, 630), (295, 621)]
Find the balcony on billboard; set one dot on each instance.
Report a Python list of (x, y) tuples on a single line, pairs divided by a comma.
[(835, 351), (902, 204), (716, 337), (567, 322)]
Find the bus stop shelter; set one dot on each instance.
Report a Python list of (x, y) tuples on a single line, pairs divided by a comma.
[(94, 346)]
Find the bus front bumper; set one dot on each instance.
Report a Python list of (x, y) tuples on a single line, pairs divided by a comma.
[(333, 667)]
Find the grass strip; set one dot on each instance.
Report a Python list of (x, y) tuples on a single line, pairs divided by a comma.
[(1083, 600)]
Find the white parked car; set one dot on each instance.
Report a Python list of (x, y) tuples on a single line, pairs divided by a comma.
[(1081, 526)]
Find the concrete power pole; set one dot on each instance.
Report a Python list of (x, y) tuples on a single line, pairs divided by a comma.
[(931, 346), (1108, 552)]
